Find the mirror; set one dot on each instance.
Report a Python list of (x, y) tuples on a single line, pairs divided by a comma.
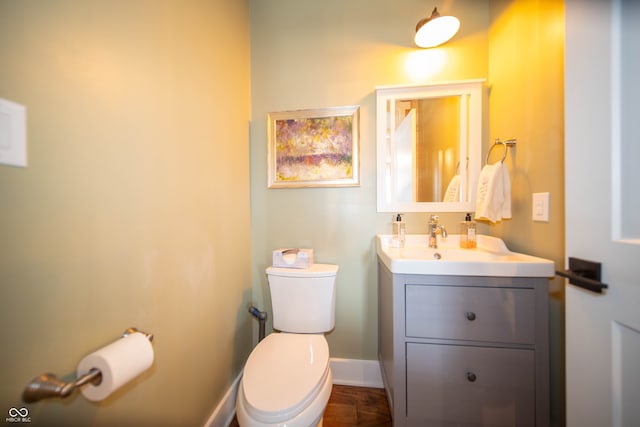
[(429, 140)]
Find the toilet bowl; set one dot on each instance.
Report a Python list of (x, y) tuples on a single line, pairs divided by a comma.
[(286, 382), (287, 379)]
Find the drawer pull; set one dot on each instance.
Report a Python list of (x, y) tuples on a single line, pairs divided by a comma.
[(471, 316), (471, 376)]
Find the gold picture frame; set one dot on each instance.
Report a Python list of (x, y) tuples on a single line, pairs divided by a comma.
[(314, 148)]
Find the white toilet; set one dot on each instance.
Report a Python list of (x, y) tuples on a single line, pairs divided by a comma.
[(287, 379)]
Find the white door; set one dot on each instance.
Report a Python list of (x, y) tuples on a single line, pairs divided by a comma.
[(405, 139), (602, 198)]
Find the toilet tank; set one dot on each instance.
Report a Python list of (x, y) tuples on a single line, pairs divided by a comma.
[(303, 300)]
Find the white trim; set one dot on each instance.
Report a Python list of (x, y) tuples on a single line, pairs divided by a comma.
[(352, 372), (617, 214), (356, 372), (226, 409)]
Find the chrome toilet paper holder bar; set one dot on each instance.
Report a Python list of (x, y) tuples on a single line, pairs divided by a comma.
[(49, 385)]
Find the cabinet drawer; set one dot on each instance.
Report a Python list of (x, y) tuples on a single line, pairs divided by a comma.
[(471, 386), (503, 315)]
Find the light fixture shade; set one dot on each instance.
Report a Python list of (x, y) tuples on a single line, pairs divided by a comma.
[(435, 30)]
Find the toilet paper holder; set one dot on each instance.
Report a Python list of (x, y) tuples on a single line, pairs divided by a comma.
[(49, 385)]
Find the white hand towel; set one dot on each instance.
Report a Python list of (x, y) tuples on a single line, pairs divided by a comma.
[(506, 188), (490, 194), (453, 190), (493, 199)]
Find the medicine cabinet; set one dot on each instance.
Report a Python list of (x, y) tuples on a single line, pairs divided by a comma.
[(429, 142)]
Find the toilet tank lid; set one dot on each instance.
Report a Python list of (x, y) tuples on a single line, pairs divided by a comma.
[(316, 270)]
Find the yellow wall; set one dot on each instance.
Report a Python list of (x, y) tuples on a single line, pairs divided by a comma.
[(526, 63), (527, 80), (134, 208)]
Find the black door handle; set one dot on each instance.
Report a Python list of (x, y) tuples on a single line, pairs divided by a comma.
[(585, 274)]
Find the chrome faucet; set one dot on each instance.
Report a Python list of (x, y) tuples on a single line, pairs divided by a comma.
[(434, 230)]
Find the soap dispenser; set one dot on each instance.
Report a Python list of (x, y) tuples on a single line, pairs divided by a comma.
[(397, 240), (468, 233)]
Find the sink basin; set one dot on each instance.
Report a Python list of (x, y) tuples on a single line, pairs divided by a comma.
[(490, 258)]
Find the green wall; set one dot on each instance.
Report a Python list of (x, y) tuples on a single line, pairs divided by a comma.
[(330, 53), (134, 209)]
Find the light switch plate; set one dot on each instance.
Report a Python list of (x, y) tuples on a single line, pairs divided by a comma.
[(540, 207), (13, 133)]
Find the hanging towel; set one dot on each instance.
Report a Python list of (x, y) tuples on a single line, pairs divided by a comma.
[(489, 194), (506, 188), (453, 190), (493, 198)]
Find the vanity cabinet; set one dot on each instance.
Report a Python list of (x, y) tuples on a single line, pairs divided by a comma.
[(464, 350)]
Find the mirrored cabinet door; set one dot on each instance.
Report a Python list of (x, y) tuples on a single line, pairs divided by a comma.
[(429, 141)]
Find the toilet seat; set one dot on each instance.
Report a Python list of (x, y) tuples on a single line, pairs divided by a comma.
[(283, 375)]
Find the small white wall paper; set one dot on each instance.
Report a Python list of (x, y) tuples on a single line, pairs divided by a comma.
[(13, 134)]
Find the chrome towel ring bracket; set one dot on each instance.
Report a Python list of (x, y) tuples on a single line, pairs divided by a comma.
[(506, 144)]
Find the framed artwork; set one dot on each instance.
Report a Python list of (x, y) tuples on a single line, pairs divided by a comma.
[(314, 148)]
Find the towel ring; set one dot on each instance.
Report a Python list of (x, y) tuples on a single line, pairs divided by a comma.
[(508, 143)]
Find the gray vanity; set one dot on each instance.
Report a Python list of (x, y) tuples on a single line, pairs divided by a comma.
[(464, 334)]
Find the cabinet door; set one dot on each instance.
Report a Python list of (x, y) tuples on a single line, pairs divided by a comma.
[(471, 386), (504, 315)]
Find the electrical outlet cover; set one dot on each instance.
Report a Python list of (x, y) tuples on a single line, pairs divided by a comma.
[(13, 134)]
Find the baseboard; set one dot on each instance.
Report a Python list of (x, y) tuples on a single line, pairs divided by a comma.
[(226, 409), (356, 372), (353, 372)]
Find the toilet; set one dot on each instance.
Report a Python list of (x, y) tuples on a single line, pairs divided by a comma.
[(287, 378)]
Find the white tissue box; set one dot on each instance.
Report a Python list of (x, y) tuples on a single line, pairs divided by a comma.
[(293, 258)]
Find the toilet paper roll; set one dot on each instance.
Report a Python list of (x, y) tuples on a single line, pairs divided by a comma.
[(119, 363)]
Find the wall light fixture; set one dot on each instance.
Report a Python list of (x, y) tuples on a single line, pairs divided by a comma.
[(435, 30)]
